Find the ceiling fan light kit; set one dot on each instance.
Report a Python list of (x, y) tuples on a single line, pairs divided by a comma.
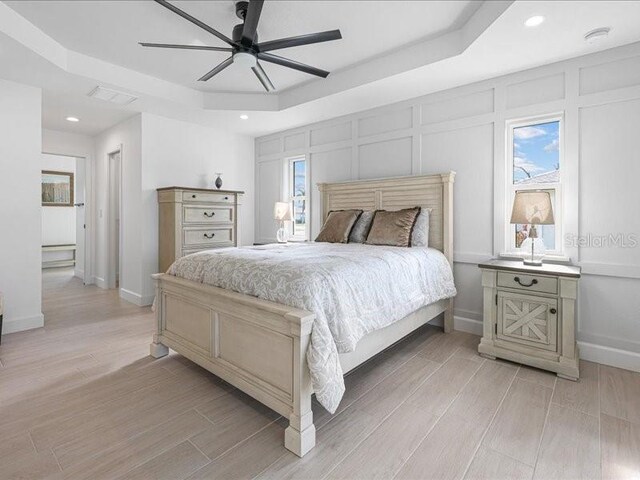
[(244, 46), (244, 59)]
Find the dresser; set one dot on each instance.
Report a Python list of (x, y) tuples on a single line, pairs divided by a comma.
[(194, 219), (529, 315)]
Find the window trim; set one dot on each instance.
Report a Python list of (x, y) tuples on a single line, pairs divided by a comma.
[(290, 182), (509, 188)]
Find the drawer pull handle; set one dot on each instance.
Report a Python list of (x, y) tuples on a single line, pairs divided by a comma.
[(226, 198), (206, 235), (193, 196), (553, 311), (533, 282), (209, 214)]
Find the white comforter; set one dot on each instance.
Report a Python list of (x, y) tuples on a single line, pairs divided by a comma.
[(352, 289)]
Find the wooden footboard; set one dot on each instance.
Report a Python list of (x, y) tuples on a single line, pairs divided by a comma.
[(257, 346)]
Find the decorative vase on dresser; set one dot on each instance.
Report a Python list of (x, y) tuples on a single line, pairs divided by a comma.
[(530, 315), (195, 219)]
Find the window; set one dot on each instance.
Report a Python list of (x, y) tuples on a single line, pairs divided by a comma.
[(534, 162), (298, 189)]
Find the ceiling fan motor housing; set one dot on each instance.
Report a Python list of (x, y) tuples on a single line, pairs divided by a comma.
[(236, 35)]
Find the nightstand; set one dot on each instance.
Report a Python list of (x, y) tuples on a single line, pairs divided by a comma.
[(529, 315)]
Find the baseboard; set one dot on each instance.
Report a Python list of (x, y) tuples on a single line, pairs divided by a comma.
[(591, 352), (13, 325), (613, 357), (100, 282), (79, 274), (136, 298), (468, 325)]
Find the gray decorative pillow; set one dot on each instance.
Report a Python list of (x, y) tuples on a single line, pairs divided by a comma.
[(361, 229), (338, 225), (420, 233)]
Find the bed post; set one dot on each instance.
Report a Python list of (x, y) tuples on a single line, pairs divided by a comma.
[(300, 435), (447, 232), (157, 349)]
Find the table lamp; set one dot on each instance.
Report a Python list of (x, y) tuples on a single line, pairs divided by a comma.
[(532, 207), (282, 213)]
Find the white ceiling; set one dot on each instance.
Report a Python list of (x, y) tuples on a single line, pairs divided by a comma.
[(492, 42), (111, 30)]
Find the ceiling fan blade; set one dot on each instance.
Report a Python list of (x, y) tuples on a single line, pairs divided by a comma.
[(195, 21), (285, 62), (251, 22), (186, 47), (262, 76), (216, 70), (298, 41)]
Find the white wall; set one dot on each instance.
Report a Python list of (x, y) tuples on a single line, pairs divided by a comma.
[(183, 154), (59, 223), (83, 148), (464, 130), (125, 135), (20, 248), (159, 152)]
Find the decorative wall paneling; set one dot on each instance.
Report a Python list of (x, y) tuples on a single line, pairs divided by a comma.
[(463, 129)]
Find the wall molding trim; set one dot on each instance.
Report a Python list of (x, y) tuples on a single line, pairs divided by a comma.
[(613, 357), (610, 270), (136, 298), (13, 325), (100, 282), (468, 325)]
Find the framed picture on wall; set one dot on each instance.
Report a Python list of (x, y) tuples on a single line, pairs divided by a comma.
[(57, 189)]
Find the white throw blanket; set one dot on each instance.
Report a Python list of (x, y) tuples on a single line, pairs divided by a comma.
[(352, 289)]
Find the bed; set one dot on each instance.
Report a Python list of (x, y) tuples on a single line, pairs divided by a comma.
[(267, 348)]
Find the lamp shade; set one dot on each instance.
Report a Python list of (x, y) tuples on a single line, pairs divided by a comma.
[(533, 208), (281, 211)]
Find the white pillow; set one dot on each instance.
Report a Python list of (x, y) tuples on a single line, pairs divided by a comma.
[(420, 233)]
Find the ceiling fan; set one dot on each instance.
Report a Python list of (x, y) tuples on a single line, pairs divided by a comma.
[(244, 46)]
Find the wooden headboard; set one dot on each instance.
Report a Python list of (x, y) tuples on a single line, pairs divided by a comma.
[(426, 191)]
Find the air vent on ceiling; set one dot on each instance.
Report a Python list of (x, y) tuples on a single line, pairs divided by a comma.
[(113, 96)]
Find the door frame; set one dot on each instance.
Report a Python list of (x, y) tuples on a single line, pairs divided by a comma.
[(89, 214), (111, 274)]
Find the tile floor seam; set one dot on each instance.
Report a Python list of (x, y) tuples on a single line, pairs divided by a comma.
[(544, 428), (479, 366), (493, 417)]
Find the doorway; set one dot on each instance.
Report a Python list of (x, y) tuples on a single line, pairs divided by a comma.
[(64, 233), (114, 216)]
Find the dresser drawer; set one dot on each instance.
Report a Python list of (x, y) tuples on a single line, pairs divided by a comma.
[(207, 214), (207, 236), (530, 283), (209, 197), (528, 320)]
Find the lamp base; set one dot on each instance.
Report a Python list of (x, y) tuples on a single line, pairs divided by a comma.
[(281, 235), (534, 263)]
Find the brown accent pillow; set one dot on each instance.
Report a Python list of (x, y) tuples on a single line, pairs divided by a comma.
[(393, 228), (338, 225)]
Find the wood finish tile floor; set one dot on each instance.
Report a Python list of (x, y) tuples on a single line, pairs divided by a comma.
[(74, 404)]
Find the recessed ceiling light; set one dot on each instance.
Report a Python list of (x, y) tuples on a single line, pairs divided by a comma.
[(534, 21), (244, 117), (597, 35), (72, 119)]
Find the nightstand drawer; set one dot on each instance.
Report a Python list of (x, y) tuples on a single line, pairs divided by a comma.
[(530, 283), (528, 319)]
